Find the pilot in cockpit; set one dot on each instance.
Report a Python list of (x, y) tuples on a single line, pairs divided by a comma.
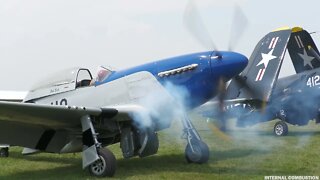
[(102, 74)]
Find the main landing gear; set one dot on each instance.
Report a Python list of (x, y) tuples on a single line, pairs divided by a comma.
[(280, 129), (196, 150), (105, 165), (100, 161)]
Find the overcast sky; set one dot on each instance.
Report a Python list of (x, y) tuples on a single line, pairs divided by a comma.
[(38, 37)]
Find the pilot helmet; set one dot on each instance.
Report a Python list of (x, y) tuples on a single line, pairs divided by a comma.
[(102, 74)]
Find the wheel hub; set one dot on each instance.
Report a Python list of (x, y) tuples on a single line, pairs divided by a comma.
[(98, 167), (279, 129)]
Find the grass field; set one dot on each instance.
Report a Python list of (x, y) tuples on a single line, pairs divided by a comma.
[(248, 153)]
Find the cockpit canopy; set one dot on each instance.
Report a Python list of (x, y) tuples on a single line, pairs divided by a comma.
[(64, 77), (66, 80)]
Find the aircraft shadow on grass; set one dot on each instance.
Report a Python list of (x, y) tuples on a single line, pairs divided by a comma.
[(304, 133), (147, 166), (154, 164), (235, 153), (52, 159), (133, 167), (271, 135)]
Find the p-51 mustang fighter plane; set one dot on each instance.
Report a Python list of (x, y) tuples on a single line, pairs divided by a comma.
[(72, 112), (257, 95)]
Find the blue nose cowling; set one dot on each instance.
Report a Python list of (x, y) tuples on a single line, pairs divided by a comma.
[(240, 62), (229, 64)]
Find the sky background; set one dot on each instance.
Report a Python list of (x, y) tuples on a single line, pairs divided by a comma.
[(39, 37)]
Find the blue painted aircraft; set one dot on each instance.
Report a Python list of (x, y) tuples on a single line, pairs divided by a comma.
[(258, 95), (66, 113), (73, 112)]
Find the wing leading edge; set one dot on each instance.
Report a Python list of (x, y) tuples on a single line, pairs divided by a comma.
[(45, 115), (50, 128)]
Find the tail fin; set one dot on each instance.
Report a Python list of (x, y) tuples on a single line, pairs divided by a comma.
[(303, 52), (258, 79)]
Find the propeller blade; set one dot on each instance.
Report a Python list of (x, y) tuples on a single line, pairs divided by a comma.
[(264, 105), (195, 25), (239, 24), (217, 131), (222, 93), (218, 123), (221, 98)]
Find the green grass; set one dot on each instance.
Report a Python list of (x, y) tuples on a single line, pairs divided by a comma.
[(251, 153)]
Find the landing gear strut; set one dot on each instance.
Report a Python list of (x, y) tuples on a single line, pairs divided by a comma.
[(281, 127), (196, 150), (100, 161)]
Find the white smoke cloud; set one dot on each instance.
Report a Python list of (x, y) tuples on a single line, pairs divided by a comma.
[(163, 107)]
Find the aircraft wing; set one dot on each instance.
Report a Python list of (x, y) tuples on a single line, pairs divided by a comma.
[(48, 127), (303, 51), (61, 116), (45, 115), (14, 96)]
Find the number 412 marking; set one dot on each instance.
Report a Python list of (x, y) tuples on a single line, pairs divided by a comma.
[(313, 81)]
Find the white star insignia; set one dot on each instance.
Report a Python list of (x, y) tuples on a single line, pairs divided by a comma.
[(266, 58), (306, 59)]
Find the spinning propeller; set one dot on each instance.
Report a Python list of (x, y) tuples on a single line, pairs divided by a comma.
[(195, 25)]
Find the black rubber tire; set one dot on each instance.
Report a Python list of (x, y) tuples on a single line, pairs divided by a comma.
[(280, 129), (152, 145), (105, 166), (201, 154), (4, 152), (318, 118)]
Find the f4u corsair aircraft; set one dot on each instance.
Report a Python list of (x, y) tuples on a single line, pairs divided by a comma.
[(257, 95), (66, 113)]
